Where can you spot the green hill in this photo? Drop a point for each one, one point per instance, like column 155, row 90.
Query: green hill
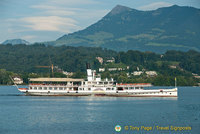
column 123, row 28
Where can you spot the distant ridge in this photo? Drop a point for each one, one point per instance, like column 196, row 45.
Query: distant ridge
column 15, row 42
column 123, row 28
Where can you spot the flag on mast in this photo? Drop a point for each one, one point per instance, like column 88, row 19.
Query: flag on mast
column 175, row 81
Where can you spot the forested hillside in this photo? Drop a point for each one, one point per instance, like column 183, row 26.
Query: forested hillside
column 23, row 60
column 26, row 58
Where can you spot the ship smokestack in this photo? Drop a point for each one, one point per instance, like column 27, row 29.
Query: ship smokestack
column 88, row 66
column 89, row 72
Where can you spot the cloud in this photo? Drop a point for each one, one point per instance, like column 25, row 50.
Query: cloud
column 28, row 37
column 155, row 5
column 55, row 10
column 73, row 2
column 49, row 19
column 83, row 16
column 50, row 23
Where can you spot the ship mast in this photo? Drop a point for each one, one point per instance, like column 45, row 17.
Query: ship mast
column 175, row 82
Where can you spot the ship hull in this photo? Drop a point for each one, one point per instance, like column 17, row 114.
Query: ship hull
column 135, row 93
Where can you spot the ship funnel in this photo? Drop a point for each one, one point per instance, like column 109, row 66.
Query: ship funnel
column 89, row 72
column 88, row 65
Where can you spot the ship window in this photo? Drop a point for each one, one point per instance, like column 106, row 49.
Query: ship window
column 101, row 83
column 35, row 88
column 55, row 88
column 80, row 88
column 112, row 88
column 30, row 87
column 50, row 88
column 60, row 88
column 108, row 89
column 126, row 88
column 89, row 88
column 105, row 82
column 136, row 87
column 40, row 88
column 45, row 88
column 65, row 88
column 141, row 88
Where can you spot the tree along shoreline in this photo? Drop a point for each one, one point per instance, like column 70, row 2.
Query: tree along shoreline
column 25, row 60
column 159, row 80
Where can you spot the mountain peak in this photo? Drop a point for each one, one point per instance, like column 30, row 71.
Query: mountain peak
column 119, row 9
column 15, row 42
column 123, row 29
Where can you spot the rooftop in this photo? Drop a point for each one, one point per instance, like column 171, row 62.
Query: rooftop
column 55, row 79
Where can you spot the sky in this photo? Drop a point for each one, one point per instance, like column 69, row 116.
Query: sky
column 47, row 20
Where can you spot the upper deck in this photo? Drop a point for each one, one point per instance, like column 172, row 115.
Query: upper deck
column 134, row 85
column 55, row 80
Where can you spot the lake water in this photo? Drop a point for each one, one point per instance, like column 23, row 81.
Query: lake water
column 21, row 114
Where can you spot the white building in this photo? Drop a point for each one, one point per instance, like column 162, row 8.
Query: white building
column 101, row 69
column 68, row 73
column 120, row 69
column 172, row 67
column 137, row 73
column 151, row 73
column 116, row 69
column 112, row 69
column 100, row 59
column 198, row 77
column 111, row 60
column 18, row 80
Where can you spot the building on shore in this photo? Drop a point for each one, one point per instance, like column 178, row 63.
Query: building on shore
column 151, row 73
column 100, row 59
column 18, row 80
column 101, row 69
column 111, row 60
column 137, row 73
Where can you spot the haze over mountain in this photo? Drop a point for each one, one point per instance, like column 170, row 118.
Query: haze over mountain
column 123, row 28
column 15, row 42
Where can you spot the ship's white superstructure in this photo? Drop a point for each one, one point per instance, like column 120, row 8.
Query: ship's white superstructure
column 94, row 85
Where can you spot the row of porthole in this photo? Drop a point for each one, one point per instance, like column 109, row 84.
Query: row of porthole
column 148, row 93
column 50, row 88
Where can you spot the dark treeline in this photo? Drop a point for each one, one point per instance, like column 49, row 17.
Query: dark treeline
column 189, row 61
column 24, row 59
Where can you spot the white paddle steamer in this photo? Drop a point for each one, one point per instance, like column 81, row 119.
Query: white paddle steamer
column 94, row 85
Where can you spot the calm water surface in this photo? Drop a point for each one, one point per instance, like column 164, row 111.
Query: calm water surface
column 21, row 114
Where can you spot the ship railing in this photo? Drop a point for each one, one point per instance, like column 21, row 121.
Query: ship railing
column 98, row 85
column 53, row 85
column 134, row 85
